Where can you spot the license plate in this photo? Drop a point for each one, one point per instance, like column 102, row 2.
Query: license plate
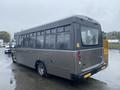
column 87, row 75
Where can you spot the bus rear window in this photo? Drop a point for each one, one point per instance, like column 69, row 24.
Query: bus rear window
column 89, row 36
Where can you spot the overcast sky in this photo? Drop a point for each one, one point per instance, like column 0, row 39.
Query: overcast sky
column 17, row 15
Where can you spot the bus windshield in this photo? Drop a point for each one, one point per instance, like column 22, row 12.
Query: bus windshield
column 89, row 36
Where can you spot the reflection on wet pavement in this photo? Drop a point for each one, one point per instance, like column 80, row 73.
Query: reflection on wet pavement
column 7, row 81
column 111, row 75
column 18, row 77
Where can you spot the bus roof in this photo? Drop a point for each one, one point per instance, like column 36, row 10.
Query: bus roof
column 69, row 20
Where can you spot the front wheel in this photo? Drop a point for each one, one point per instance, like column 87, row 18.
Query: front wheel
column 41, row 69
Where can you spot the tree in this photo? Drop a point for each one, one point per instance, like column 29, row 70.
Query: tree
column 5, row 36
column 104, row 35
column 113, row 35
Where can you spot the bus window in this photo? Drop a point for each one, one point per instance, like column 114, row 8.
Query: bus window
column 63, row 40
column 26, row 42
column 89, row 36
column 47, row 31
column 50, row 41
column 32, row 40
column 60, row 29
column 40, row 40
column 53, row 30
column 67, row 28
column 19, row 41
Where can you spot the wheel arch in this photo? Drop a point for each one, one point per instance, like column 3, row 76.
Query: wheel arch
column 37, row 62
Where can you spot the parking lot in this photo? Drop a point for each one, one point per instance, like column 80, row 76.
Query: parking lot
column 18, row 77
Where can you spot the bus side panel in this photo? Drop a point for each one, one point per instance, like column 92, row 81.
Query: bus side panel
column 63, row 64
column 58, row 62
column 91, row 58
column 19, row 54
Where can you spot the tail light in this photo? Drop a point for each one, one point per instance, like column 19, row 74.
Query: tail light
column 78, row 57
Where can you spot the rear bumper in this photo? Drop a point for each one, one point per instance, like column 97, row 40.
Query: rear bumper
column 91, row 72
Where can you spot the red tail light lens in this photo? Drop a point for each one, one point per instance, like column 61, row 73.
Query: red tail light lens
column 78, row 55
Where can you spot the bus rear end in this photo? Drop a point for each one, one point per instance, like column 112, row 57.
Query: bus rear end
column 89, row 50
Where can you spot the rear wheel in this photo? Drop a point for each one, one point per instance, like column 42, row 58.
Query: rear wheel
column 41, row 69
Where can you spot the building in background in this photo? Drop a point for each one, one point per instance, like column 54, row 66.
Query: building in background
column 114, row 43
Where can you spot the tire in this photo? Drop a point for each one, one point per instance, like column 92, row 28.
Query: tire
column 41, row 69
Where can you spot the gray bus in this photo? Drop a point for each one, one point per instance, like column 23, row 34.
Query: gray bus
column 70, row 48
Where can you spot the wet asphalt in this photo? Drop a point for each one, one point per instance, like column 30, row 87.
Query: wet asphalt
column 17, row 77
